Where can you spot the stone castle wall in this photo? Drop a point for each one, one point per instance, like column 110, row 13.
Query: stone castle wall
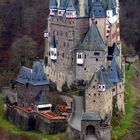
column 91, row 64
column 68, row 33
column 33, row 121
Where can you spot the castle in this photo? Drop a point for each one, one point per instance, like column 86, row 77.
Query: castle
column 82, row 43
column 82, row 48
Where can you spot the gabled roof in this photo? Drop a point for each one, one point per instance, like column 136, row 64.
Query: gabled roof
column 63, row 4
column 70, row 6
column 114, row 73
column 41, row 99
column 53, row 4
column 35, row 76
column 94, row 116
column 53, row 43
column 93, row 40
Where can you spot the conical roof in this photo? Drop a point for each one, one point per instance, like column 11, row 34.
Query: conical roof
column 111, row 4
column 93, row 40
column 116, row 50
column 101, row 77
column 63, row 4
column 53, row 4
column 114, row 71
column 70, row 6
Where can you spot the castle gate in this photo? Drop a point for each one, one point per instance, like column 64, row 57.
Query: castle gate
column 90, row 130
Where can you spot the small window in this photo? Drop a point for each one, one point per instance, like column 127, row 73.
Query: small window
column 85, row 56
column 94, row 94
column 113, row 89
column 85, row 69
column 99, row 11
column 66, row 34
column 96, row 59
column 94, row 101
column 93, row 86
column 96, row 53
column 64, row 44
column 63, row 55
column 120, row 86
column 95, row 22
column 89, row 94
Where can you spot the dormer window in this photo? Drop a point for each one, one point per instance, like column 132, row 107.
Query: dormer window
column 80, row 59
column 71, row 14
column 53, row 12
column 61, row 12
column 101, row 88
column 45, row 35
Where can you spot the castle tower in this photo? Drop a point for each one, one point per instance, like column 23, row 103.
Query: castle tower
column 53, row 7
column 62, row 7
column 70, row 10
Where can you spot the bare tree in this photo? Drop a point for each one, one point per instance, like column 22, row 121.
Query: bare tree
column 23, row 50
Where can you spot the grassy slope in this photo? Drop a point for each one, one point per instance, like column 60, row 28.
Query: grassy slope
column 13, row 129
column 127, row 120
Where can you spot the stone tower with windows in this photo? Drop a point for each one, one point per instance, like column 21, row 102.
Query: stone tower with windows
column 83, row 43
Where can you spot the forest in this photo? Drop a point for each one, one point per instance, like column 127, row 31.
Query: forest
column 22, row 23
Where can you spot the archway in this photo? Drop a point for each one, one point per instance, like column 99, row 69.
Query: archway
column 90, row 130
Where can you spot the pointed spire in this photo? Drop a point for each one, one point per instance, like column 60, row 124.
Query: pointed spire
column 53, row 4
column 116, row 50
column 114, row 72
column 111, row 4
column 101, row 77
column 63, row 4
column 70, row 6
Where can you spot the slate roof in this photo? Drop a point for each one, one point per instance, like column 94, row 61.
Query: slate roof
column 41, row 99
column 63, row 4
column 94, row 116
column 108, row 4
column 101, row 76
column 53, row 43
column 116, row 50
column 98, row 10
column 93, row 40
column 53, row 4
column 70, row 6
column 35, row 76
column 114, row 72
column 111, row 4
column 45, row 31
